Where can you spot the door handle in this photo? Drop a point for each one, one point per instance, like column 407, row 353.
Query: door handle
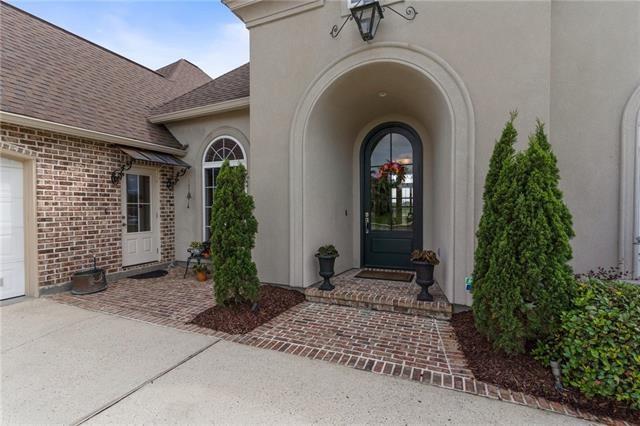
column 366, row 222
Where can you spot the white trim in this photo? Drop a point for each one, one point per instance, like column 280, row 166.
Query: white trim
column 629, row 182
column 276, row 11
column 217, row 108
column 636, row 194
column 213, row 165
column 23, row 120
column 28, row 158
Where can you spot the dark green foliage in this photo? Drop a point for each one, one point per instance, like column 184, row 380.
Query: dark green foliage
column 233, row 230
column 428, row 256
column 328, row 251
column 502, row 151
column 598, row 344
column 528, row 282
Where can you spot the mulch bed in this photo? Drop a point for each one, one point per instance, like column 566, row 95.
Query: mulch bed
column 241, row 319
column 525, row 374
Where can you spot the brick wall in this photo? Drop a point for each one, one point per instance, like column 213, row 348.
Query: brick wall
column 78, row 208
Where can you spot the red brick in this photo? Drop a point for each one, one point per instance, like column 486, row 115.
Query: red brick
column 75, row 198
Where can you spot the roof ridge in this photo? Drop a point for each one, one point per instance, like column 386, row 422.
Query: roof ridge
column 213, row 80
column 57, row 27
column 194, row 65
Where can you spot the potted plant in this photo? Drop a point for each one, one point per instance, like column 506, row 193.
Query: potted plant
column 196, row 247
column 327, row 258
column 201, row 271
column 424, row 262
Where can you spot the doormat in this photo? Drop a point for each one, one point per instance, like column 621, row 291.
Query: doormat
column 385, row 275
column 151, row 274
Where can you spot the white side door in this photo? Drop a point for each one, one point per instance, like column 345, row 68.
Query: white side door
column 12, row 265
column 140, row 217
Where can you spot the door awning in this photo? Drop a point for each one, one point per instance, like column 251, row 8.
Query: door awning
column 154, row 157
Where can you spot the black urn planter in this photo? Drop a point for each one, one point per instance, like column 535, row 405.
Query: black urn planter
column 424, row 278
column 327, row 264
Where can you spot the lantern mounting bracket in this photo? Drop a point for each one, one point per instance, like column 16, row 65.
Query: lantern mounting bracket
column 409, row 14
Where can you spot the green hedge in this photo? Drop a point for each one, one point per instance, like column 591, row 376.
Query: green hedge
column 599, row 341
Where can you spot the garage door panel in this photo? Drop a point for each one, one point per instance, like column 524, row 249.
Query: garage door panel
column 12, row 272
column 11, row 249
column 12, row 280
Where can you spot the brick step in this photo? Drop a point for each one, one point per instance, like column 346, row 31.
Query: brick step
column 381, row 302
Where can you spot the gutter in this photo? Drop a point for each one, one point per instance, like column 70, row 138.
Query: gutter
column 217, row 108
column 23, row 120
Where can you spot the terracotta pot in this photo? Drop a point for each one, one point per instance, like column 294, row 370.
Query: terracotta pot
column 201, row 276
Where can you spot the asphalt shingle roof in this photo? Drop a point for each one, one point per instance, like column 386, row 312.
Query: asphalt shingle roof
column 49, row 73
column 232, row 85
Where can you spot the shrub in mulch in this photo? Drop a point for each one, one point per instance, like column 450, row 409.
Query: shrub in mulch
column 241, row 318
column 523, row 373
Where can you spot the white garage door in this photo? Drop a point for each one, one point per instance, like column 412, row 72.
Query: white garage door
column 12, row 272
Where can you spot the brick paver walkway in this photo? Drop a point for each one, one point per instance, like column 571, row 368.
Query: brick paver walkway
column 171, row 300
column 417, row 348
column 383, row 342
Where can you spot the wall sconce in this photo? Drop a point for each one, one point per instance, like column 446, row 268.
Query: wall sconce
column 368, row 14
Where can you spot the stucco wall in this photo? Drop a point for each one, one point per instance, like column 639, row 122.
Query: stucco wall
column 573, row 64
column 198, row 134
column 595, row 68
column 500, row 50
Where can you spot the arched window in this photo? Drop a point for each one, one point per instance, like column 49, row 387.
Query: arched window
column 220, row 149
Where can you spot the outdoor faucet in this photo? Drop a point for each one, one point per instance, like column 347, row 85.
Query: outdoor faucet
column 555, row 370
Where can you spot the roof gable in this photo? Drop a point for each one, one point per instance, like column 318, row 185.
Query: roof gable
column 51, row 74
column 229, row 86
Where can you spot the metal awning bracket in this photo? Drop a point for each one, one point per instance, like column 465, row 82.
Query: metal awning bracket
column 172, row 181
column 116, row 175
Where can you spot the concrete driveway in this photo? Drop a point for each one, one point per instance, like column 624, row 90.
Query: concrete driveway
column 62, row 364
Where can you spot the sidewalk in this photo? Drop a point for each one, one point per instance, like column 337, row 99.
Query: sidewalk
column 63, row 364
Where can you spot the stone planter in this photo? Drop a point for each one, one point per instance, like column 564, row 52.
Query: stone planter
column 424, row 278
column 327, row 264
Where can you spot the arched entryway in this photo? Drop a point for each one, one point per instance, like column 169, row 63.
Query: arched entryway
column 391, row 219
column 374, row 85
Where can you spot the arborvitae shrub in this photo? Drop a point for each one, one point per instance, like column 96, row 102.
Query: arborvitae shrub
column 233, row 230
column 502, row 151
column 529, row 281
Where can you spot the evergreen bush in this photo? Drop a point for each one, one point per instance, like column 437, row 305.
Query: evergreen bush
column 233, row 230
column 502, row 151
column 529, row 282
